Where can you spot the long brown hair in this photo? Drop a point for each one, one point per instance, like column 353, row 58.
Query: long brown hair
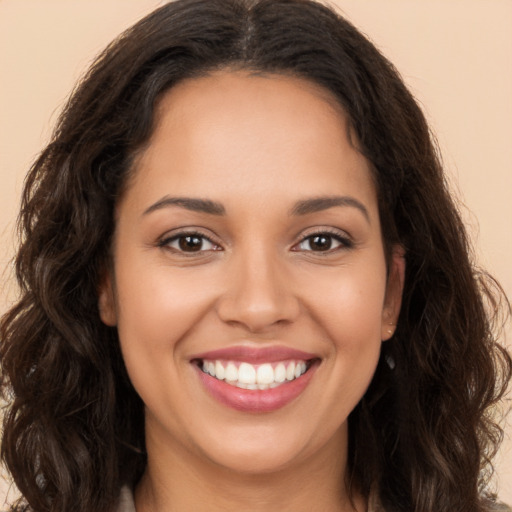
column 422, row 437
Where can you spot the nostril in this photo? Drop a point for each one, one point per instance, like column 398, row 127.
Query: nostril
column 257, row 315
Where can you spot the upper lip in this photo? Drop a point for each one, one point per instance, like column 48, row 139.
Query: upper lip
column 255, row 354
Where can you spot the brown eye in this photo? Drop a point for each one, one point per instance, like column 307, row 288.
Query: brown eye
column 324, row 242
column 320, row 242
column 191, row 243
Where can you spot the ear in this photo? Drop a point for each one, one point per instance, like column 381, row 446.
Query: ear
column 106, row 301
column 394, row 291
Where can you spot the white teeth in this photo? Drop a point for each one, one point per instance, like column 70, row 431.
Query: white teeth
column 248, row 376
column 265, row 374
column 219, row 371
column 290, row 371
column 280, row 373
column 247, row 373
column 231, row 372
column 300, row 368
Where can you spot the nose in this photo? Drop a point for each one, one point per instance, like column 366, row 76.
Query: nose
column 259, row 293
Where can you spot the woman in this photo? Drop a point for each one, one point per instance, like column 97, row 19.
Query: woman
column 245, row 285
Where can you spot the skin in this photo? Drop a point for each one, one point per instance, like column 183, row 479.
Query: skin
column 256, row 144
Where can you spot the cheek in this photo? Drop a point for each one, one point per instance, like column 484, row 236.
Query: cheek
column 349, row 308
column 348, row 303
column 157, row 307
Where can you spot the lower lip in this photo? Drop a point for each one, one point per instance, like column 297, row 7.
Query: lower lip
column 258, row 400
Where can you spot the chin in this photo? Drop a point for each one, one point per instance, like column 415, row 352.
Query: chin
column 263, row 451
column 256, row 462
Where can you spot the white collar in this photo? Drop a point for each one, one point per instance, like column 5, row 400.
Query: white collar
column 126, row 503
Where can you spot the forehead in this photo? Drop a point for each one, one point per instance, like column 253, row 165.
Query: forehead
column 250, row 132
column 233, row 87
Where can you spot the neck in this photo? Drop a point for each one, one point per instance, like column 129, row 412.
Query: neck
column 177, row 480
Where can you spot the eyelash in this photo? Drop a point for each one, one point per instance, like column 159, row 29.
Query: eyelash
column 345, row 243
column 165, row 243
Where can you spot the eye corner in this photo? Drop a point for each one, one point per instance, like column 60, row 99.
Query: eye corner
column 328, row 241
column 188, row 242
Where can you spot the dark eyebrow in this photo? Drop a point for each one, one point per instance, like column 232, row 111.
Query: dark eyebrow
column 189, row 203
column 317, row 204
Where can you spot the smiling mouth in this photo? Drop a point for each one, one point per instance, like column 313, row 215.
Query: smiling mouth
column 245, row 375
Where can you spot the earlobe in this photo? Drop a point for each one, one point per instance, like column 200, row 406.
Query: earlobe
column 394, row 291
column 106, row 302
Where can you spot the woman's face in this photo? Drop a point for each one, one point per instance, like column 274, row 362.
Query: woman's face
column 248, row 245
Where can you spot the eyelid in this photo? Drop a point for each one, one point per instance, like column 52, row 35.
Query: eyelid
column 342, row 237
column 345, row 240
column 173, row 235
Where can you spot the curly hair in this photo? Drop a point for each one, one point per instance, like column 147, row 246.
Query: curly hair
column 422, row 437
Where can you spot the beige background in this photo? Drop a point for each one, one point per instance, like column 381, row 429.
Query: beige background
column 456, row 55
